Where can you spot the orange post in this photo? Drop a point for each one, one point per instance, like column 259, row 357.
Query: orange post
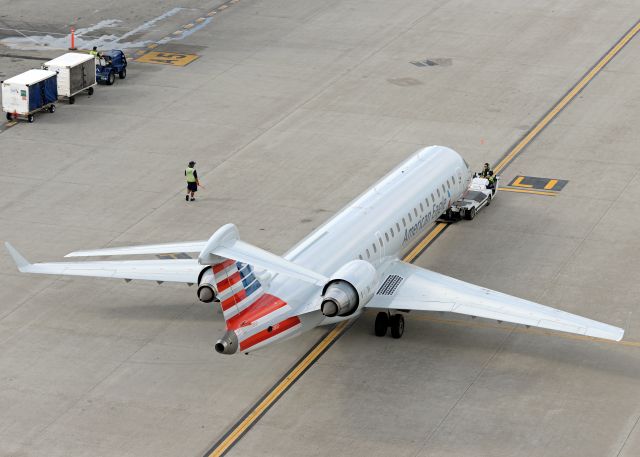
column 73, row 40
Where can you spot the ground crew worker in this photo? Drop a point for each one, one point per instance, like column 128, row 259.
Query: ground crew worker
column 94, row 52
column 492, row 180
column 485, row 171
column 192, row 180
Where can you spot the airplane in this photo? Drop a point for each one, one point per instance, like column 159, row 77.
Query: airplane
column 350, row 263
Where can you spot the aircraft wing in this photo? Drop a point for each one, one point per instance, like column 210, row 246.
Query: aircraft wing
column 409, row 287
column 145, row 249
column 171, row 270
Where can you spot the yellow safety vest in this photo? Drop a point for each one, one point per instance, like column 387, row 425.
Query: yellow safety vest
column 190, row 175
column 94, row 53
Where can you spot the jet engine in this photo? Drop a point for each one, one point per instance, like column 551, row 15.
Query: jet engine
column 353, row 285
column 207, row 291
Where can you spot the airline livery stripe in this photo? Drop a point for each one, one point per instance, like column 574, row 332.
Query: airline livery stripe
column 229, row 302
column 266, row 334
column 263, row 306
column 221, row 266
column 228, row 282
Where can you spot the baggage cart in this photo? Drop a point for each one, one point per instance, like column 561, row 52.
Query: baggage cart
column 29, row 92
column 76, row 73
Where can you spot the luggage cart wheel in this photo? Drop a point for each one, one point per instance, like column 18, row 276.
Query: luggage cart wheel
column 52, row 109
column 9, row 116
column 30, row 117
column 72, row 100
column 123, row 73
column 90, row 91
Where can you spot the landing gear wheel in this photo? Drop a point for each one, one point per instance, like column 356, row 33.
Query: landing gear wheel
column 471, row 214
column 397, row 325
column 90, row 91
column 123, row 73
column 112, row 79
column 382, row 324
column 30, row 118
column 9, row 116
column 72, row 100
column 52, row 109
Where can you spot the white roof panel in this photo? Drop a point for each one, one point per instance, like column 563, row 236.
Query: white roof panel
column 70, row 59
column 30, row 77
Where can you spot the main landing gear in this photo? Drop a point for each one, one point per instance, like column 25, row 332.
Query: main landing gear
column 385, row 320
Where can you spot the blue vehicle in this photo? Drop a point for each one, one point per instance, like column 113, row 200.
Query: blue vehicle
column 111, row 63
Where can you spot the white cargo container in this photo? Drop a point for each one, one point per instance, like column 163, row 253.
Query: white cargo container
column 28, row 92
column 76, row 73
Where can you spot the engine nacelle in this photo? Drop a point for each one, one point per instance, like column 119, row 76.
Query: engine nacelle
column 353, row 285
column 207, row 290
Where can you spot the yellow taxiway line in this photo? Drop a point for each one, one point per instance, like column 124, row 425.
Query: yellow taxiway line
column 527, row 191
column 276, row 392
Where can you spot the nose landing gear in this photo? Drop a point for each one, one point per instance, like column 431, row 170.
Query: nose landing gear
column 386, row 320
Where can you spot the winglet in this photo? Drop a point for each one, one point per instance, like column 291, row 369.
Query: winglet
column 20, row 261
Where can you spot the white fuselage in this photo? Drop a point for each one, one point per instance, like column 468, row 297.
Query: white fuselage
column 380, row 225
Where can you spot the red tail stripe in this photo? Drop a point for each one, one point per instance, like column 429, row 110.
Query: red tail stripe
column 228, row 282
column 229, row 302
column 266, row 334
column 217, row 268
column 264, row 305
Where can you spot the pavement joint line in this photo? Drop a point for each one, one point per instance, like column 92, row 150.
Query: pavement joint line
column 238, row 430
column 568, row 97
column 280, row 388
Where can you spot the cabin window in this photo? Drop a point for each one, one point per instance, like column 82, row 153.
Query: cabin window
column 386, row 235
column 426, row 201
column 433, row 199
column 421, row 208
column 368, row 255
column 374, row 248
column 391, row 229
column 398, row 227
column 415, row 211
column 448, row 185
column 409, row 214
column 404, row 223
column 380, row 241
column 453, row 180
column 360, row 256
column 438, row 192
column 443, row 189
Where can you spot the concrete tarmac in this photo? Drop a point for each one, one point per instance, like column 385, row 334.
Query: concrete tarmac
column 291, row 110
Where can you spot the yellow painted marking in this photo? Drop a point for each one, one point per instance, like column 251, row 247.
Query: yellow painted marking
column 177, row 32
column 234, row 1
column 140, row 52
column 518, row 182
column 521, row 329
column 11, row 123
column 551, row 184
column 168, row 58
column 212, row 13
column 152, row 46
column 278, row 391
column 440, row 226
column 336, row 332
column 223, row 7
column 188, row 26
column 526, row 191
column 200, row 19
column 567, row 98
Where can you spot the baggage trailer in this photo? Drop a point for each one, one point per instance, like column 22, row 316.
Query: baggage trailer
column 29, row 92
column 76, row 73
